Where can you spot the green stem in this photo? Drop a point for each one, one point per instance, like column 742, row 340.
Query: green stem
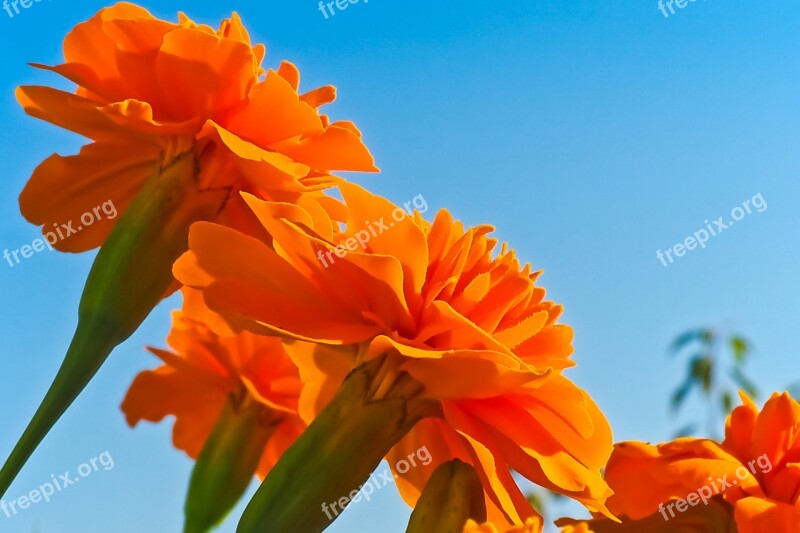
column 130, row 275
column 336, row 454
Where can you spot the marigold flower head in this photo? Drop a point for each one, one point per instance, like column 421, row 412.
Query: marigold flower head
column 208, row 366
column 151, row 91
column 470, row 328
column 754, row 469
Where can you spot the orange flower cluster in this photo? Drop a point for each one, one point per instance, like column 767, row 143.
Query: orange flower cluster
column 431, row 321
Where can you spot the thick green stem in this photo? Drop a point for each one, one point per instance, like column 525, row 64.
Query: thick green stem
column 336, row 454
column 130, row 275
column 228, row 462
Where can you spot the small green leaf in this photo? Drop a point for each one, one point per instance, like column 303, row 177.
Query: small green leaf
column 537, row 502
column 701, row 369
column 679, row 396
column 740, row 348
column 685, row 339
column 727, row 401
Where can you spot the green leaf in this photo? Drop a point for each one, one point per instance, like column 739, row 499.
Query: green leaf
column 537, row 502
column 701, row 369
column 726, row 398
column 679, row 396
column 740, row 348
column 685, row 339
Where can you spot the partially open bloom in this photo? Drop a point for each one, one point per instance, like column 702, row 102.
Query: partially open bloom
column 458, row 325
column 150, row 92
column 752, row 477
column 204, row 370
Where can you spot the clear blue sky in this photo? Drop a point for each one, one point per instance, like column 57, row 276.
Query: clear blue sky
column 590, row 133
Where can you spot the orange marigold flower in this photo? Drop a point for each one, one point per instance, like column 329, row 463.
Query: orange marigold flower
column 204, row 370
column 151, row 91
column 470, row 327
column 754, row 470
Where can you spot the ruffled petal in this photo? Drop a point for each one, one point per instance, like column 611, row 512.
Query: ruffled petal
column 77, row 199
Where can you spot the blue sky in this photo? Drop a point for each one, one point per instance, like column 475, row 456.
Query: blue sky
column 591, row 134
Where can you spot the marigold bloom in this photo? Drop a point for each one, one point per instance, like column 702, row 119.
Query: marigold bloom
column 204, row 370
column 473, row 330
column 754, row 470
column 150, row 91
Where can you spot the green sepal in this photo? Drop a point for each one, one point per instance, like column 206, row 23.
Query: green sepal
column 333, row 457
column 228, row 462
column 453, row 495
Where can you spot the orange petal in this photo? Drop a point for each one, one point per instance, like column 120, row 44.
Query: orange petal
column 274, row 113
column 320, row 96
column 103, row 177
column 202, row 75
column 289, row 72
column 402, row 238
column 322, row 369
column 129, row 119
column 157, row 394
column 89, row 45
column 757, row 515
column 266, row 170
column 336, row 149
column 267, row 291
column 673, row 471
column 775, row 432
